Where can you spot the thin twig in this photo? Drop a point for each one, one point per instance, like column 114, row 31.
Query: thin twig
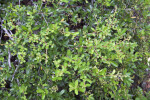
column 46, row 53
column 18, row 82
column 8, row 34
column 34, row 3
column 4, row 44
column 92, row 2
column 1, row 29
column 14, row 73
column 45, row 19
column 41, row 5
column 9, row 57
column 19, row 3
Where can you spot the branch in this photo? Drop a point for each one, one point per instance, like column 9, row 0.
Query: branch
column 14, row 73
column 1, row 29
column 34, row 3
column 18, row 82
column 8, row 34
column 19, row 3
column 9, row 57
column 9, row 53
column 45, row 19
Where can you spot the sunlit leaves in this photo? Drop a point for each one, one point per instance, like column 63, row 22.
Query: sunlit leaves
column 73, row 47
column 42, row 92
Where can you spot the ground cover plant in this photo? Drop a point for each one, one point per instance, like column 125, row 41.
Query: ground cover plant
column 74, row 49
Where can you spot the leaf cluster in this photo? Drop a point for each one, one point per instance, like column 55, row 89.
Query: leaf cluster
column 74, row 49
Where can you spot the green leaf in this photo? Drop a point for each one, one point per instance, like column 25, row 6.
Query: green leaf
column 71, row 87
column 39, row 90
column 75, row 67
column 29, row 13
column 80, row 49
column 137, row 98
column 45, row 84
column 113, row 63
column 24, row 28
column 66, row 1
column 76, row 91
column 148, row 15
column 75, row 33
column 43, row 96
column 67, row 34
column 62, row 92
column 46, row 91
column 103, row 71
column 87, row 85
column 82, row 89
column 2, row 59
column 14, row 14
column 68, row 52
column 76, row 83
column 88, row 80
column 36, row 27
column 123, row 31
column 54, row 78
column 113, row 72
column 59, row 78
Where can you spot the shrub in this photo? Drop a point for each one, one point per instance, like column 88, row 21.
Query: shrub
column 73, row 49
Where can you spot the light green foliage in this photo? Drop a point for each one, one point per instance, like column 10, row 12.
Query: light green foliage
column 80, row 48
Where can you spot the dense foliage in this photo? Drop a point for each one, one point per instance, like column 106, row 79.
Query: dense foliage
column 74, row 49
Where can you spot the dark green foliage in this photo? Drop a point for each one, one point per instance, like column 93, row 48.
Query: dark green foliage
column 74, row 49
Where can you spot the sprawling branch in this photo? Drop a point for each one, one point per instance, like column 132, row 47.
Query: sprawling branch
column 9, row 34
column 9, row 54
